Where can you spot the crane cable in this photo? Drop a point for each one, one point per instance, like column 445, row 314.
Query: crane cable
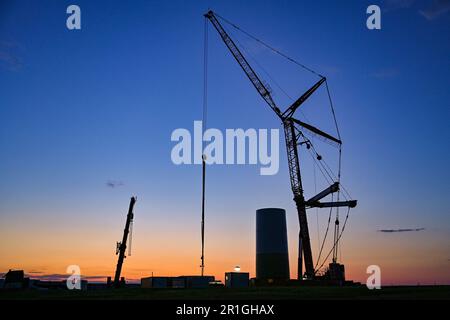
column 248, row 54
column 322, row 168
column 204, row 118
column 337, row 234
column 317, row 209
column 337, row 241
column 324, row 237
column 131, row 238
column 269, row 46
column 205, row 76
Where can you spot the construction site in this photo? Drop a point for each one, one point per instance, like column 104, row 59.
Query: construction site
column 272, row 259
column 320, row 271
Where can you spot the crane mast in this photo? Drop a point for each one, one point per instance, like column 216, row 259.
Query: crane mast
column 304, row 247
column 292, row 136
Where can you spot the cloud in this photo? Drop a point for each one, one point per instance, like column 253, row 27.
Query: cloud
column 41, row 276
column 9, row 57
column 114, row 183
column 331, row 70
column 38, row 275
column 35, row 272
column 400, row 230
column 48, row 277
column 62, row 277
column 386, row 73
column 437, row 8
column 390, row 5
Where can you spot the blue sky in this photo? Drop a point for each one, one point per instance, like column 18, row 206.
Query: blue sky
column 81, row 108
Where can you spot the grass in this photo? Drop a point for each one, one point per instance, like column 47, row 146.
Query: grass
column 260, row 293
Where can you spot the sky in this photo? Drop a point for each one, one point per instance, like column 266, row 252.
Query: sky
column 86, row 118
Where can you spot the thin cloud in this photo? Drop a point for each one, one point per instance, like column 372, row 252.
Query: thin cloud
column 437, row 8
column 49, row 277
column 41, row 276
column 9, row 58
column 62, row 277
column 401, row 230
column 114, row 183
column 390, row 5
column 38, row 275
column 385, row 73
column 35, row 272
column 330, row 70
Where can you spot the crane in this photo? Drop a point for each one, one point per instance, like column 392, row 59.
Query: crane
column 293, row 137
column 122, row 246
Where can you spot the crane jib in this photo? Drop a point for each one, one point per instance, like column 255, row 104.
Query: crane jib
column 248, row 70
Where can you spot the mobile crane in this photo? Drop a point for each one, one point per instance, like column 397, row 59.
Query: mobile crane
column 122, row 246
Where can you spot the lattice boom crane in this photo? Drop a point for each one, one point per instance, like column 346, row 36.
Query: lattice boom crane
column 292, row 134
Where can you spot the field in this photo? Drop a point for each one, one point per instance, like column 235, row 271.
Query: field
column 260, row 293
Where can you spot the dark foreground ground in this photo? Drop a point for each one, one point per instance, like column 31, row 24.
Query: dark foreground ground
column 260, row 293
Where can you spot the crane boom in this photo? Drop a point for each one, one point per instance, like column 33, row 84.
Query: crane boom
column 122, row 246
column 248, row 70
column 317, row 131
column 291, row 110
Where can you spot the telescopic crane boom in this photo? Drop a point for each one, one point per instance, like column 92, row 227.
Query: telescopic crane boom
column 122, row 246
column 292, row 135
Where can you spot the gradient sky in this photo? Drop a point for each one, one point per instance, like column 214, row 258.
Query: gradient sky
column 81, row 108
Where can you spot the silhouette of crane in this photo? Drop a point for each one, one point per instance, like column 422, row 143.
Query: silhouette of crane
column 293, row 137
column 122, row 246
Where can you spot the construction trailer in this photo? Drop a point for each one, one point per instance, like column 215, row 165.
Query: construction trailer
column 177, row 282
column 237, row 279
column 55, row 285
column 193, row 281
column 156, row 282
column 15, row 279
